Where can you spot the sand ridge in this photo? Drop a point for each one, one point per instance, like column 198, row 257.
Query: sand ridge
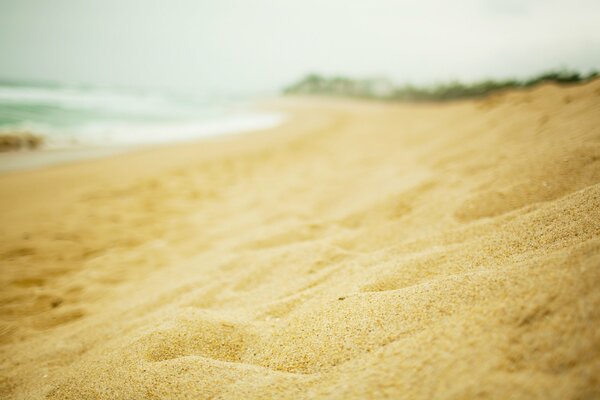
column 362, row 250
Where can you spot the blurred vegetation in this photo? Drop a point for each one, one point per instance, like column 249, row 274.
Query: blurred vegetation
column 384, row 89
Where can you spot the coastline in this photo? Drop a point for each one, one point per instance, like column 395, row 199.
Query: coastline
column 48, row 156
column 360, row 249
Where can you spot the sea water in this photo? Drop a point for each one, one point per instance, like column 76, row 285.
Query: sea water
column 67, row 116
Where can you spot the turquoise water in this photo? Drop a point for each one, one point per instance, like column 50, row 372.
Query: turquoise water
column 71, row 116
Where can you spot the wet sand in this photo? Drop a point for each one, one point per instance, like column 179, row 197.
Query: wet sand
column 30, row 160
column 360, row 250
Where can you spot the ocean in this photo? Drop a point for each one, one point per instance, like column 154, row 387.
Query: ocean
column 75, row 116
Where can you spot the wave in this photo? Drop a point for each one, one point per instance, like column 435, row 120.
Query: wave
column 67, row 116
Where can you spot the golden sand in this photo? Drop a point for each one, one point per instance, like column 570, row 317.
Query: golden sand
column 362, row 250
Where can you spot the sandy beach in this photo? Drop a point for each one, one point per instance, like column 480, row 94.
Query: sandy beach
column 360, row 250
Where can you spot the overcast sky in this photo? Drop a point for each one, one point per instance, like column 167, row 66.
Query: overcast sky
column 254, row 45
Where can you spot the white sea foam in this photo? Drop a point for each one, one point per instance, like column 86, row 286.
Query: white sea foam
column 72, row 116
column 158, row 132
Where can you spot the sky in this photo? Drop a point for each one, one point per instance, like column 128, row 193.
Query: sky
column 245, row 46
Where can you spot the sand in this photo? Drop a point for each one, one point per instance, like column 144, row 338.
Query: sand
column 361, row 250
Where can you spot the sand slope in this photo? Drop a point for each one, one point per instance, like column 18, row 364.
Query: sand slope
column 362, row 250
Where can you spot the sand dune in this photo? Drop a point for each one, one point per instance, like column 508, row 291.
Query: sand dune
column 362, row 250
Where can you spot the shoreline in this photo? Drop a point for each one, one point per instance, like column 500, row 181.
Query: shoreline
column 13, row 161
column 16, row 161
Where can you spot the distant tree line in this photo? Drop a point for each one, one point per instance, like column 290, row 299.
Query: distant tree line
column 380, row 88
